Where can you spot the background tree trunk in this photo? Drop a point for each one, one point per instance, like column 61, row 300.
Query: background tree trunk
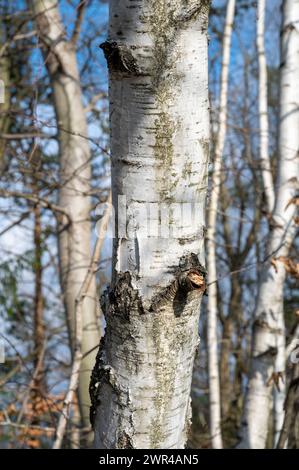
column 263, row 108
column 279, row 393
column 268, row 323
column 159, row 118
column 39, row 327
column 75, row 173
column 214, row 392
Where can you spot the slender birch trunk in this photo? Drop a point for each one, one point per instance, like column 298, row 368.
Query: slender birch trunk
column 263, row 108
column 214, row 389
column 278, row 393
column 268, row 326
column 75, row 172
column 159, row 118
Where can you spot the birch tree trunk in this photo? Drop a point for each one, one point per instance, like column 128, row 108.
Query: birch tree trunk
column 263, row 108
column 214, row 392
column 159, row 118
column 279, row 393
column 268, row 324
column 75, row 172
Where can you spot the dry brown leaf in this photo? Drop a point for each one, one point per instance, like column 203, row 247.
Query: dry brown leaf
column 276, row 377
column 290, row 266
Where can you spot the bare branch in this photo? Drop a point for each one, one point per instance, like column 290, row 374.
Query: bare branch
column 77, row 28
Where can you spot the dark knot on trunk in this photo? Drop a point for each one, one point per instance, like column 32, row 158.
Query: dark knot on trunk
column 119, row 58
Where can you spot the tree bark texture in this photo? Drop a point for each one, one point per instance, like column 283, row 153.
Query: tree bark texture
column 159, row 117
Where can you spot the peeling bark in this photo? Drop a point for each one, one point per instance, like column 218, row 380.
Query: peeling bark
column 159, row 120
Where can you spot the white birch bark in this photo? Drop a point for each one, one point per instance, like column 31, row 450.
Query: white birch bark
column 214, row 387
column 159, row 118
column 75, row 172
column 279, row 394
column 268, row 325
column 263, row 108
